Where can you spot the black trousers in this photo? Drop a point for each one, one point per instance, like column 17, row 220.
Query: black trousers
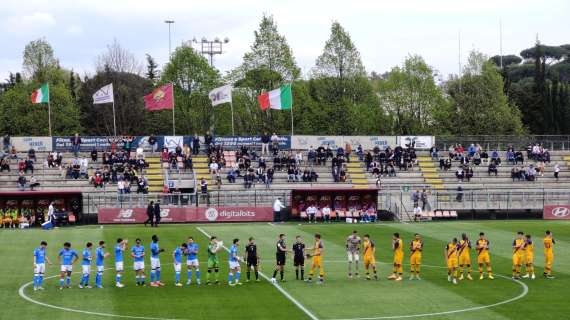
column 149, row 220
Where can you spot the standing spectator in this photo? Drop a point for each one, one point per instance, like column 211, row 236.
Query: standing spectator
column 76, row 144
column 195, row 144
column 556, row 171
column 423, row 199
column 415, row 197
column 274, row 143
column 94, row 155
column 156, row 213
column 152, row 143
column 149, row 214
column 6, row 142
column 277, row 206
column 265, row 139
column 208, row 141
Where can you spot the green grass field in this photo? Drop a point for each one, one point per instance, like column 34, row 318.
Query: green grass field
column 339, row 298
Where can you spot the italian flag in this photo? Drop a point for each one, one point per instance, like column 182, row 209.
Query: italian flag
column 41, row 95
column 279, row 99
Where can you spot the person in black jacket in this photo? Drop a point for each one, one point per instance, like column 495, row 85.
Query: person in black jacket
column 150, row 214
column 265, row 139
column 157, row 213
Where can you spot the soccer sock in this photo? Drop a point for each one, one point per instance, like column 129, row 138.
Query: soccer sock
column 302, row 273
column 189, row 275
column 142, row 279
column 417, row 269
column 99, row 278
column 349, row 268
column 158, row 275
column 256, row 275
column 87, row 279
column 356, row 267
column 480, row 269
column 41, row 279
column 489, row 270
column 217, row 275
column 230, row 277
column 138, row 279
column 237, row 276
column 36, row 280
column 68, row 280
column 177, row 277
column 281, row 274
column 152, row 275
column 274, row 273
column 208, row 274
column 297, row 274
column 247, row 274
column 197, row 275
column 61, row 282
column 118, row 278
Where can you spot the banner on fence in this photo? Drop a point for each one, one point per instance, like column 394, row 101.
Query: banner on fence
column 367, row 142
column 36, row 143
column 187, row 214
column 556, row 212
column 418, row 142
column 237, row 141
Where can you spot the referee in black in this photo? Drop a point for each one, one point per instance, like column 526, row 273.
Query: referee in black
column 280, row 256
column 252, row 259
column 299, row 258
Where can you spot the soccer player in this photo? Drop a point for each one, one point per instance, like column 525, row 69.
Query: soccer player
column 119, row 264
column 299, row 258
column 398, row 249
column 86, row 266
column 235, row 269
column 317, row 259
column 416, row 247
column 518, row 255
column 100, row 256
column 548, row 254
column 213, row 261
column 177, row 256
column 464, row 253
column 483, row 257
column 155, row 263
column 192, row 260
column 67, row 258
column 40, row 259
column 368, row 256
column 451, row 256
column 280, row 256
column 252, row 259
column 353, row 249
column 137, row 252
column 529, row 257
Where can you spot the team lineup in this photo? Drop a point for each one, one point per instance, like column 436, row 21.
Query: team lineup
column 457, row 255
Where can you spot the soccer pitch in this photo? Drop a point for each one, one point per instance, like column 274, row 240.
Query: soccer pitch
column 338, row 298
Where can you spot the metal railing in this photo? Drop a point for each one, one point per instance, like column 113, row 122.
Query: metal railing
column 490, row 142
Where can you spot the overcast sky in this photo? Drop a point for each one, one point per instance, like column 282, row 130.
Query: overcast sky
column 383, row 31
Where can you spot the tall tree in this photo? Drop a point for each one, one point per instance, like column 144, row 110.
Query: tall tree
column 39, row 60
column 151, row 68
column 118, row 59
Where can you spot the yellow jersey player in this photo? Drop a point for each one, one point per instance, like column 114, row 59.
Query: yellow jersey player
column 548, row 254
column 451, row 259
column 529, row 257
column 483, row 257
column 369, row 259
column 398, row 249
column 518, row 255
column 464, row 253
column 416, row 247
column 317, row 260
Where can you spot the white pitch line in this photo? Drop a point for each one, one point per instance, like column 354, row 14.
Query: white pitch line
column 276, row 285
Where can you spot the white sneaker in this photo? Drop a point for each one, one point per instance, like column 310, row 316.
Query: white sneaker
column 119, row 285
column 80, row 286
column 526, row 276
column 532, row 277
column 41, row 288
column 454, row 281
column 449, row 278
column 35, row 289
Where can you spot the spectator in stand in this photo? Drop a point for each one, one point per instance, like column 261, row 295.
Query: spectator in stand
column 22, row 181
column 274, row 143
column 94, row 155
column 208, row 141
column 269, row 177
column 33, row 183
column 460, row 174
column 495, row 157
column 556, row 171
column 195, row 144
column 477, row 159
column 360, row 152
column 459, row 196
column 204, row 186
column 142, row 185
column 492, row 168
column 4, row 165
column 76, row 144
column 32, row 154
column 347, row 151
column 6, row 143
column 232, row 175
column 434, row 153
column 510, row 155
column 152, row 143
column 468, row 173
column 13, row 153
column 29, row 166
column 265, row 139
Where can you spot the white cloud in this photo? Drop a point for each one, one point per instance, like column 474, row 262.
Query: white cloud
column 75, row 30
column 30, row 23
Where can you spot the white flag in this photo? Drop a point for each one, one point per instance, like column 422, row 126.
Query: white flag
column 104, row 95
column 221, row 95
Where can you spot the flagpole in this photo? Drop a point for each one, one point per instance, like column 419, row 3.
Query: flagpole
column 232, row 108
column 114, row 121
column 291, row 119
column 173, row 121
column 49, row 112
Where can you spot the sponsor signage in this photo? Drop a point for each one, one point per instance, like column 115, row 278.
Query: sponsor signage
column 237, row 141
column 187, row 214
column 367, row 142
column 36, row 143
column 556, row 212
column 418, row 142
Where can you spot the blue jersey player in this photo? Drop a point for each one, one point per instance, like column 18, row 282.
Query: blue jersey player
column 86, row 259
column 234, row 264
column 177, row 256
column 137, row 252
column 155, row 263
column 100, row 256
column 67, row 258
column 40, row 260
column 192, row 260
column 119, row 262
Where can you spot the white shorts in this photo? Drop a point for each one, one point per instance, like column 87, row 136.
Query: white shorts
column 119, row 266
column 100, row 268
column 234, row 265
column 40, row 268
column 177, row 267
column 138, row 265
column 66, row 268
column 85, row 269
column 353, row 256
column 192, row 263
column 154, row 263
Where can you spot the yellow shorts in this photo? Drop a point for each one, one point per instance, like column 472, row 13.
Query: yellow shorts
column 483, row 258
column 369, row 261
column 416, row 258
column 317, row 262
column 398, row 258
column 452, row 263
column 517, row 259
column 529, row 258
column 464, row 259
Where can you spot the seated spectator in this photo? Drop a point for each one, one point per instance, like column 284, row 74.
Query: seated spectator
column 477, row 159
column 515, row 174
column 32, row 154
column 313, row 176
column 94, row 155
column 21, row 165
column 519, row 158
column 164, row 155
column 342, row 175
column 22, row 181
column 469, row 174
column 142, row 185
column 460, row 174
column 232, row 175
column 13, row 153
column 495, row 157
column 291, row 174
column 4, row 165
column 492, row 169
column 510, row 157
column 484, row 157
column 531, row 173
column 98, row 180
column 33, row 183
column 434, row 153
column 269, row 175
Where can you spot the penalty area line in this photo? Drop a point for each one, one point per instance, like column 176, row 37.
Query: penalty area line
column 276, row 285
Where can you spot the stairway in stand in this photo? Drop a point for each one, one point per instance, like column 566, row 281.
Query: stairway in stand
column 154, row 174
column 356, row 173
column 201, row 170
column 429, row 173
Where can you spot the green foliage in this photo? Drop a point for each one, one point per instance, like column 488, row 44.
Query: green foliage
column 39, row 60
column 151, row 68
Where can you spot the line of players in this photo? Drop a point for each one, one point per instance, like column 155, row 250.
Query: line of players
column 457, row 257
